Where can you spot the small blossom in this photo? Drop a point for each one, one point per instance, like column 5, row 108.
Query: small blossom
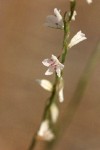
column 89, row 1
column 54, row 112
column 61, row 95
column 45, row 132
column 60, row 88
column 74, row 15
column 54, row 66
column 76, row 39
column 47, row 85
column 55, row 21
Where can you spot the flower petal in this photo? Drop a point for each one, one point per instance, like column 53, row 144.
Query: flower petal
column 58, row 71
column 49, row 71
column 51, row 19
column 74, row 15
column 48, row 136
column 60, row 88
column 57, row 13
column 47, row 85
column 46, row 62
column 45, row 132
column 61, row 66
column 55, row 21
column 61, row 95
column 54, row 112
column 77, row 38
column 54, row 57
column 44, row 127
column 51, row 25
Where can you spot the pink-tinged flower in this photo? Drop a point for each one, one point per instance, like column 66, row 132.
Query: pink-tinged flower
column 55, row 21
column 79, row 37
column 89, row 1
column 54, row 66
column 45, row 132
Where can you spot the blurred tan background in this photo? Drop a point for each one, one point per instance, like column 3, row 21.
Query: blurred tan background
column 24, row 43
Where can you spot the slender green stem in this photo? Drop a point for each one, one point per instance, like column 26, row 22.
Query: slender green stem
column 46, row 111
column 53, row 96
column 51, row 100
column 65, row 42
column 67, row 30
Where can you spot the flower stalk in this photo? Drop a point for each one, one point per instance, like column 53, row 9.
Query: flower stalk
column 67, row 29
column 46, row 130
column 48, row 120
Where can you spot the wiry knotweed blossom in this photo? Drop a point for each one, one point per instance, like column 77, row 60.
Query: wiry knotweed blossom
column 74, row 15
column 77, row 38
column 45, row 132
column 54, row 66
column 60, row 88
column 54, row 112
column 61, row 95
column 89, row 1
column 47, row 85
column 55, row 21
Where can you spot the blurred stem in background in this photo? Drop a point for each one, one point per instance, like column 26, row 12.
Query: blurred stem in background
column 77, row 97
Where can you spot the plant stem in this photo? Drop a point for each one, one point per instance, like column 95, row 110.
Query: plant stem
column 53, row 96
column 46, row 111
column 67, row 30
column 65, row 41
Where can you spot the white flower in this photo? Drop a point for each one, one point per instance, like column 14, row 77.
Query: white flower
column 74, row 15
column 47, row 85
column 77, row 38
column 89, row 1
column 55, row 21
column 54, row 66
column 60, row 88
column 44, row 132
column 61, row 95
column 54, row 112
